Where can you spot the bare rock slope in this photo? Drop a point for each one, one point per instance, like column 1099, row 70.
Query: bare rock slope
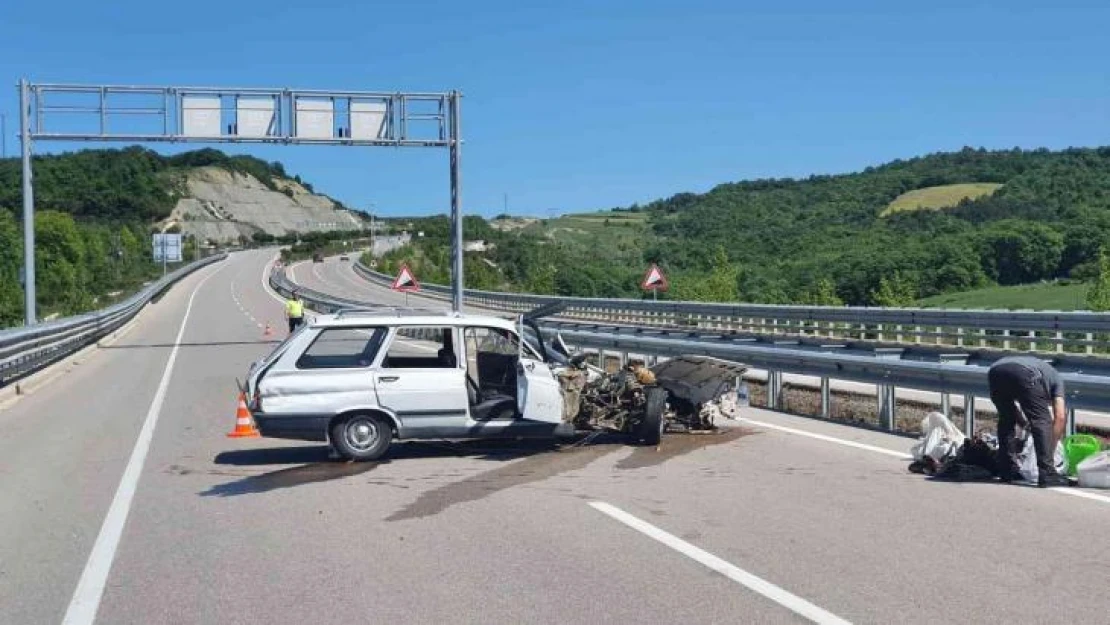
column 221, row 205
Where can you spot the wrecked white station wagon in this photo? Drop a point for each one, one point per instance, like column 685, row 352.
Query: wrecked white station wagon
column 360, row 379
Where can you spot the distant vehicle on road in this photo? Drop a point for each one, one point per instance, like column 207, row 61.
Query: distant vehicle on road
column 318, row 257
column 344, row 257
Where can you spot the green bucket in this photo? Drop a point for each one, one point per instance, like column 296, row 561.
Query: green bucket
column 1079, row 446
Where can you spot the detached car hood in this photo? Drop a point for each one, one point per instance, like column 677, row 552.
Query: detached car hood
column 697, row 379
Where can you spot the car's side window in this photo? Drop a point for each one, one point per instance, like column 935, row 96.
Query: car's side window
column 342, row 348
column 421, row 347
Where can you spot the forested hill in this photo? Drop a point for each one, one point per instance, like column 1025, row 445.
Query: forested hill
column 789, row 237
column 888, row 235
column 132, row 184
column 95, row 210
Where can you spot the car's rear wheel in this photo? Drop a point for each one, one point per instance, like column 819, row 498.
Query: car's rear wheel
column 652, row 425
column 361, row 437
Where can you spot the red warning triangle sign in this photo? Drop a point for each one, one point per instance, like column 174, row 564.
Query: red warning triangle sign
column 654, row 279
column 405, row 280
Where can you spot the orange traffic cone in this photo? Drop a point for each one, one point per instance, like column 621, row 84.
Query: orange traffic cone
column 244, row 425
column 269, row 331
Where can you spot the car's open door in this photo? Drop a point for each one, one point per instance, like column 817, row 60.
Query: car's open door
column 538, row 395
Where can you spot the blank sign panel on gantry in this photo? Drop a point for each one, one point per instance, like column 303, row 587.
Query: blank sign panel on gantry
column 255, row 117
column 368, row 120
column 315, row 119
column 200, row 116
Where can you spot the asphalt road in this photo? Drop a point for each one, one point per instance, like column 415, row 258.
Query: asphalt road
column 779, row 516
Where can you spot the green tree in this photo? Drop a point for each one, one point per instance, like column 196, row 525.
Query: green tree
column 11, row 250
column 1020, row 251
column 59, row 256
column 822, row 293
column 895, row 290
column 1098, row 296
column 720, row 284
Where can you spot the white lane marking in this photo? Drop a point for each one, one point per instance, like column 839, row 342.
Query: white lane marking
column 829, row 439
column 235, row 296
column 266, row 283
column 1073, row 491
column 90, row 588
column 327, row 283
column 786, row 599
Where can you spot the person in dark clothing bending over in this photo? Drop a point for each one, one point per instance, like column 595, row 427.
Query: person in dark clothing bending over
column 1029, row 391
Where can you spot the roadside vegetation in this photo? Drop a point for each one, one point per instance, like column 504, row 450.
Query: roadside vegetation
column 909, row 231
column 1010, row 218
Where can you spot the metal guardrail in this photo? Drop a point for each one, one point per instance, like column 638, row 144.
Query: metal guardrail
column 1075, row 332
column 26, row 350
column 1084, row 392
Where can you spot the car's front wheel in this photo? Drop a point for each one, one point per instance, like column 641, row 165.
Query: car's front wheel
column 361, row 437
column 653, row 424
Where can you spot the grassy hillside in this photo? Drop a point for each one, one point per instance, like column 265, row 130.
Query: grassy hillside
column 1035, row 216
column 938, row 197
column 1046, row 296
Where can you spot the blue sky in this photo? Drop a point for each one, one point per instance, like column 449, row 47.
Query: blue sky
column 588, row 105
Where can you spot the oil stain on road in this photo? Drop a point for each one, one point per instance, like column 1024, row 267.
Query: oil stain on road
column 531, row 469
column 678, row 445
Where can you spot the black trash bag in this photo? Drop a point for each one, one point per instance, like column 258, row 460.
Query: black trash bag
column 974, row 462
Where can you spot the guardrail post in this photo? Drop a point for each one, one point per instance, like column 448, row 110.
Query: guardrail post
column 826, row 398
column 1090, row 349
column 969, row 414
column 946, row 405
column 1006, row 339
column 959, row 337
column 898, row 333
column 917, row 335
column 887, row 399
column 1059, row 341
column 1032, row 340
column 774, row 390
column 982, row 337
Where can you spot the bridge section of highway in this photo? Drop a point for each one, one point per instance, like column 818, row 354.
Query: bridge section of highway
column 124, row 502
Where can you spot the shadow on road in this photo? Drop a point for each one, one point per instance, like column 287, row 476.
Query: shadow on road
column 538, row 460
column 318, row 464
